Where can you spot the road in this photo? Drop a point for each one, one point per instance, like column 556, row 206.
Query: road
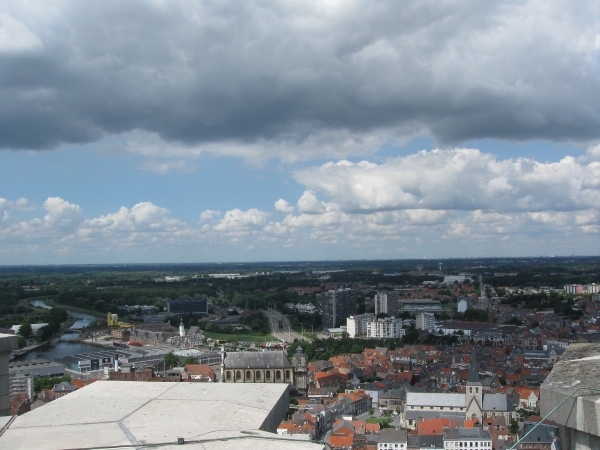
column 280, row 326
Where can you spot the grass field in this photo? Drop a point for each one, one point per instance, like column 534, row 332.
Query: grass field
column 449, row 306
column 385, row 420
column 242, row 337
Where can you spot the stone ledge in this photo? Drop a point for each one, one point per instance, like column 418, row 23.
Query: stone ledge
column 579, row 367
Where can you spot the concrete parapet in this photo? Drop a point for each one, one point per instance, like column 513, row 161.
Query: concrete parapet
column 577, row 374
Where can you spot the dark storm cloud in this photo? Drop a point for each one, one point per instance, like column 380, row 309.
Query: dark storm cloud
column 199, row 72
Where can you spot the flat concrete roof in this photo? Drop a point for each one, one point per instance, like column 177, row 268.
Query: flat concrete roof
column 134, row 414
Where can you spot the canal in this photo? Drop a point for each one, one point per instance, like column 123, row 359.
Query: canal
column 62, row 348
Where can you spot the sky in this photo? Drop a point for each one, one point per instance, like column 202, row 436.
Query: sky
column 206, row 131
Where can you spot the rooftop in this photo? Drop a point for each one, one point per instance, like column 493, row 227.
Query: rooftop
column 209, row 416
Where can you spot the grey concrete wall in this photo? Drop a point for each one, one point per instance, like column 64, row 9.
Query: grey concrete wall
column 277, row 413
column 8, row 343
column 578, row 440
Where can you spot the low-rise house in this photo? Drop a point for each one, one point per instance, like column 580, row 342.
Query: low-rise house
column 467, row 438
column 62, row 389
column 538, row 438
column 294, row 431
column 130, row 373
column 329, row 380
column 391, row 439
column 199, row 372
column 19, row 404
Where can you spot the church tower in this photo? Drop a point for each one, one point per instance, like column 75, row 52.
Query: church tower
column 300, row 365
column 223, row 356
column 474, row 390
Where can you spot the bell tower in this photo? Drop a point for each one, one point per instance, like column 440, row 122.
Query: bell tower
column 300, row 366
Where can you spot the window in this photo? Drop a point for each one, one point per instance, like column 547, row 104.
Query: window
column 268, row 375
column 238, row 375
column 278, row 375
column 287, row 374
column 257, row 376
column 228, row 375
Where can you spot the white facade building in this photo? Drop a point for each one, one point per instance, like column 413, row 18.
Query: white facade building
column 389, row 328
column 426, row 321
column 467, row 439
column 356, row 326
column 390, row 439
column 582, row 288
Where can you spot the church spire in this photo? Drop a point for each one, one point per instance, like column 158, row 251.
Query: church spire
column 473, row 370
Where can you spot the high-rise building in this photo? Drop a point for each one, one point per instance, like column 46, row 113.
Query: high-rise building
column 426, row 321
column 356, row 326
column 337, row 306
column 386, row 302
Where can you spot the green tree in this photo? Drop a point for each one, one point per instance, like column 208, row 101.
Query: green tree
column 25, row 330
column 170, row 360
column 514, row 426
column 189, row 360
column 42, row 383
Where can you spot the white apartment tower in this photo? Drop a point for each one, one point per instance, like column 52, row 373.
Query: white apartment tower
column 388, row 328
column 426, row 321
column 357, row 325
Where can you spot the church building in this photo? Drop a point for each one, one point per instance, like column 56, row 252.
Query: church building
column 265, row 367
column 473, row 404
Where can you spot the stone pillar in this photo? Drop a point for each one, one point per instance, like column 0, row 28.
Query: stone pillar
column 8, row 343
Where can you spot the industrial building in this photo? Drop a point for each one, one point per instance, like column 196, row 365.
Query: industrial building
column 84, row 362
column 37, row 367
column 192, row 306
column 420, row 304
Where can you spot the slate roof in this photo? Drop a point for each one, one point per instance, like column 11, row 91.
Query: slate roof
column 473, row 370
column 256, row 360
column 426, row 399
column 540, row 435
column 466, row 433
column 388, row 435
column 63, row 387
column 433, row 442
column 497, row 402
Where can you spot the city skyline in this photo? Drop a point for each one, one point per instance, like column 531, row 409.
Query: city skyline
column 200, row 132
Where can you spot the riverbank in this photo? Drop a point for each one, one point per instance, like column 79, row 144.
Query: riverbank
column 23, row 351
column 64, row 328
column 90, row 312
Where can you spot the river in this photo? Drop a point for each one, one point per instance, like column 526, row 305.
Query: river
column 62, row 348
